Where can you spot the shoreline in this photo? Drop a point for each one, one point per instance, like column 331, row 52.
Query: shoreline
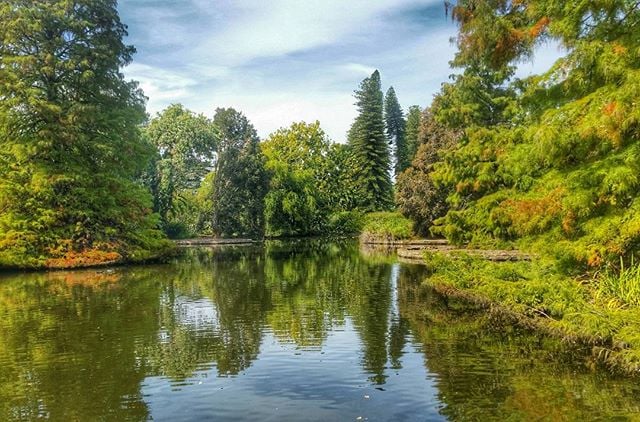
column 610, row 334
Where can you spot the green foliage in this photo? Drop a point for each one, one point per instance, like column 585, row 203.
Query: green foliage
column 70, row 145
column 185, row 144
column 345, row 223
column 619, row 286
column 412, row 131
column 558, row 304
column 369, row 146
column 417, row 195
column 241, row 180
column 204, row 203
column 548, row 162
column 396, row 127
column 310, row 180
column 338, row 179
column 386, row 226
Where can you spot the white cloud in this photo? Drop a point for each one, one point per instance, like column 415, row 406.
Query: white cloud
column 161, row 86
column 279, row 27
column 287, row 60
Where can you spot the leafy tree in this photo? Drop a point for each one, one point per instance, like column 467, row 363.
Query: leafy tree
column 338, row 179
column 70, row 144
column 412, row 131
column 396, row 126
column 555, row 167
column 295, row 204
column 369, row 145
column 185, row 143
column 417, row 195
column 204, row 203
column 241, row 180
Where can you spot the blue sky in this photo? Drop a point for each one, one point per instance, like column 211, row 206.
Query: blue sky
column 281, row 61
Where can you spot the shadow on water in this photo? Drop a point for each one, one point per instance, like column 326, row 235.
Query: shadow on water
column 278, row 331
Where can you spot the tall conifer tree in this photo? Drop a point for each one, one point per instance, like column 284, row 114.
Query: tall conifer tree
column 70, row 144
column 396, row 126
column 412, row 131
column 370, row 147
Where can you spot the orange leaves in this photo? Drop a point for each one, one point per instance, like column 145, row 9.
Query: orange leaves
column 529, row 216
column 594, row 260
column 619, row 50
column 84, row 258
column 610, row 128
column 539, row 27
column 568, row 222
column 610, row 108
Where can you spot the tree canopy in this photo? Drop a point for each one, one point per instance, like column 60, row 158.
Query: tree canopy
column 186, row 145
column 70, row 144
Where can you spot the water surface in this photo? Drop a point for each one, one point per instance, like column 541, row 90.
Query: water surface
column 288, row 331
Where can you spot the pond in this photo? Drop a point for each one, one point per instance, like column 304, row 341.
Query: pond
column 311, row 330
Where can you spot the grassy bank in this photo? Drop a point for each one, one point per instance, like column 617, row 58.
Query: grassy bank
column 597, row 311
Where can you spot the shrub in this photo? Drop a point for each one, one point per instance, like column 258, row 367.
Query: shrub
column 386, row 227
column 345, row 223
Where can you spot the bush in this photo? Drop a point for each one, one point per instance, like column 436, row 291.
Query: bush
column 386, row 227
column 345, row 223
column 176, row 230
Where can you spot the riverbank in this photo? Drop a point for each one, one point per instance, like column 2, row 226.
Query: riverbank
column 91, row 258
column 534, row 295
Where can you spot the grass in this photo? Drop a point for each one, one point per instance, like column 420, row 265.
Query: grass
column 583, row 311
column 386, row 227
column 619, row 287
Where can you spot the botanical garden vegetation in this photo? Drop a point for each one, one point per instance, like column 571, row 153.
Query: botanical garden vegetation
column 548, row 164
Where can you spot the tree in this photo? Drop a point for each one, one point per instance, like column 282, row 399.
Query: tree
column 369, row 145
column 185, row 144
column 396, row 126
column 241, row 180
column 417, row 195
column 70, row 143
column 549, row 162
column 296, row 204
column 412, row 131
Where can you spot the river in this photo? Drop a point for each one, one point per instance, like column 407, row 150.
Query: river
column 306, row 330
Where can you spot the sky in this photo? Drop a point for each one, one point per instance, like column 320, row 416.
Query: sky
column 283, row 61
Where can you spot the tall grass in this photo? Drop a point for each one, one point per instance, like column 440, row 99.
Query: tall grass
column 386, row 226
column 621, row 285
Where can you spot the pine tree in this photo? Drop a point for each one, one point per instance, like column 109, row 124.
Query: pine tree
column 412, row 131
column 370, row 147
column 396, row 126
column 70, row 146
column 241, row 181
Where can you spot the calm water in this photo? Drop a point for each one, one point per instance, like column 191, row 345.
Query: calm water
column 302, row 331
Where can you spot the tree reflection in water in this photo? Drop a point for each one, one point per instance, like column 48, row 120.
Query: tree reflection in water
column 83, row 345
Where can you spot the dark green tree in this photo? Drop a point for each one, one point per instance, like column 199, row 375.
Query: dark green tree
column 412, row 131
column 185, row 144
column 417, row 195
column 396, row 127
column 241, row 181
column 370, row 147
column 70, row 146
